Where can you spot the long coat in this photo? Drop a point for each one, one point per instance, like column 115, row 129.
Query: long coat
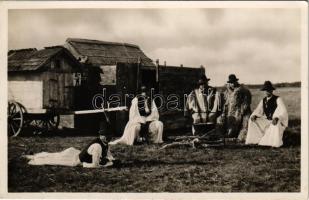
column 262, row 131
column 132, row 129
column 204, row 107
column 237, row 111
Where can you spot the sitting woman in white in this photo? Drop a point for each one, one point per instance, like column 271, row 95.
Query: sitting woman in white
column 95, row 154
column 268, row 121
column 143, row 121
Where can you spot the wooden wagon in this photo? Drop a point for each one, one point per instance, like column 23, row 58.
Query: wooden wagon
column 57, row 80
column 41, row 85
column 44, row 84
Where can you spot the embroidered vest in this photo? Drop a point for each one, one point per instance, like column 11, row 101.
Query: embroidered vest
column 270, row 106
column 84, row 156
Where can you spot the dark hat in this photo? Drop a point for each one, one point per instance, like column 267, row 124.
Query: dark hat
column 202, row 80
column 268, row 86
column 232, row 78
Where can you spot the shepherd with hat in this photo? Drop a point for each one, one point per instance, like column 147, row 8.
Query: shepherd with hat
column 203, row 104
column 269, row 120
column 237, row 108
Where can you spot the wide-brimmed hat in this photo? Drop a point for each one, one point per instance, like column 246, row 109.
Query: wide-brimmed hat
column 268, row 86
column 232, row 78
column 202, row 80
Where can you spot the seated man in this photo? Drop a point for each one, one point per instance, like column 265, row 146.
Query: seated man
column 204, row 105
column 143, row 121
column 95, row 154
column 268, row 120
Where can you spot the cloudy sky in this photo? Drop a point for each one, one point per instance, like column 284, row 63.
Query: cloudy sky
column 255, row 44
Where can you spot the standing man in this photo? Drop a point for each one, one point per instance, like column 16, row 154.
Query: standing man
column 237, row 108
column 268, row 120
column 204, row 105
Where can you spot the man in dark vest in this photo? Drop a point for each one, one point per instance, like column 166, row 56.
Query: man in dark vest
column 93, row 155
column 96, row 153
column 269, row 120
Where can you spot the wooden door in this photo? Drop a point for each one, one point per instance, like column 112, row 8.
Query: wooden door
column 126, row 86
column 53, row 90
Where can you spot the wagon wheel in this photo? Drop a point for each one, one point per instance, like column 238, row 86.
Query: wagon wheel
column 52, row 122
column 15, row 119
column 26, row 121
column 46, row 124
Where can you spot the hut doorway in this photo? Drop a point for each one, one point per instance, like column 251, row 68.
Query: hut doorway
column 148, row 78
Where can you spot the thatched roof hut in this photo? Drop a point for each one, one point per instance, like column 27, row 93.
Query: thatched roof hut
column 43, row 79
column 100, row 53
column 32, row 59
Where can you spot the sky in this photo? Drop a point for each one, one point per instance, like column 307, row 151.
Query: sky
column 256, row 44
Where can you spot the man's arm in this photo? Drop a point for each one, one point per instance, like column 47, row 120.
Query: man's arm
column 95, row 150
column 258, row 112
column 281, row 113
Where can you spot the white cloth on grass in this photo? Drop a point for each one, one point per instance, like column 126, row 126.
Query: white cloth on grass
column 133, row 127
column 262, row 131
column 67, row 157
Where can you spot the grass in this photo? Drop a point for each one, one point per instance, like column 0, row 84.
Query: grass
column 146, row 168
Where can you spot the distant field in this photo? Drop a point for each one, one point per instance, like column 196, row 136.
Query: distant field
column 291, row 97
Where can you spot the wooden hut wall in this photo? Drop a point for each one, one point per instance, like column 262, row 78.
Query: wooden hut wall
column 26, row 88
column 24, row 76
column 58, row 84
column 95, row 84
column 126, row 84
column 178, row 81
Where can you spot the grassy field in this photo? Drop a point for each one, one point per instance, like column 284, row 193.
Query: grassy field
column 146, row 168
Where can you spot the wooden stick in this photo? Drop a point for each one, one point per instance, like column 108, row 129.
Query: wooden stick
column 80, row 112
column 175, row 144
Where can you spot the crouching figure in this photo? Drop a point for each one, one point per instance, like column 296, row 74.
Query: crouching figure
column 143, row 121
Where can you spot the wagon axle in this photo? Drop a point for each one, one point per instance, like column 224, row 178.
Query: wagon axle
column 19, row 118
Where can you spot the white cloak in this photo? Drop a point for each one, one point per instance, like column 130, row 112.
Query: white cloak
column 262, row 131
column 132, row 129
column 70, row 157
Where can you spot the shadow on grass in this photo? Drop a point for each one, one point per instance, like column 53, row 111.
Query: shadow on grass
column 292, row 134
column 151, row 163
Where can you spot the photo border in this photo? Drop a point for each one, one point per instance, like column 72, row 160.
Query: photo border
column 5, row 6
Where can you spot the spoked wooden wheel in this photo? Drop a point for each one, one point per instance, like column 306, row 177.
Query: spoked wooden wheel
column 15, row 119
column 44, row 122
column 52, row 122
